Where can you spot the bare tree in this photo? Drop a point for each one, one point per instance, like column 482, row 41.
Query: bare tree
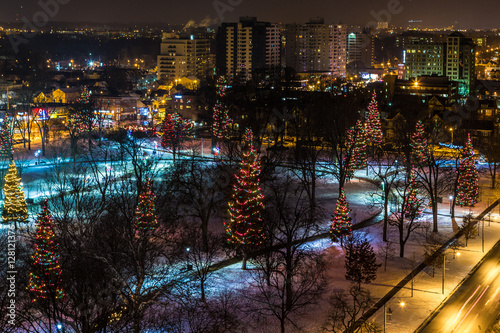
column 405, row 217
column 346, row 307
column 469, row 227
column 203, row 256
column 295, row 277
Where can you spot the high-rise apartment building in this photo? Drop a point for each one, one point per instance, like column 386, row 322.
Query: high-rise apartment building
column 183, row 56
column 308, row 46
column 247, row 48
column 316, row 47
column 338, row 50
column 454, row 58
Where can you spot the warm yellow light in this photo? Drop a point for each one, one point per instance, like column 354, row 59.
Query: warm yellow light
column 402, row 304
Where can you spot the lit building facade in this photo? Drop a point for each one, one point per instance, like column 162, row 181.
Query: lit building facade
column 454, row 58
column 247, row 48
column 183, row 56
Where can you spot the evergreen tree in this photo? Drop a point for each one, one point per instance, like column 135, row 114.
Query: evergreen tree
column 45, row 275
column 467, row 186
column 359, row 150
column 419, row 145
column 221, row 120
column 15, row 209
column 374, row 133
column 6, row 138
column 145, row 216
column 413, row 206
column 244, row 229
column 360, row 261
column 174, row 129
column 341, row 221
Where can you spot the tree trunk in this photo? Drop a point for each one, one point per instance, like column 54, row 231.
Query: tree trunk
column 386, row 215
column 401, row 242
column 435, row 215
column 244, row 263
column 202, row 286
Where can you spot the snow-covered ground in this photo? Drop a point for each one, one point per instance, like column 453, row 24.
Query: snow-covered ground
column 427, row 288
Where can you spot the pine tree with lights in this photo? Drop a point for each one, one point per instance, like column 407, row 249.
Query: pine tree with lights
column 374, row 133
column 467, row 186
column 412, row 203
column 419, row 145
column 173, row 131
column 6, row 138
column 358, row 158
column 221, row 120
column 14, row 209
column 341, row 221
column 45, row 275
column 145, row 216
column 244, row 229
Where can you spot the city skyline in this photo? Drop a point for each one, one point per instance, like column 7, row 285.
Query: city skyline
column 462, row 15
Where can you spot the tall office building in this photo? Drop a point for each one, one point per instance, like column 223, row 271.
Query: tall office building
column 247, row 48
column 183, row 56
column 360, row 48
column 454, row 58
column 461, row 62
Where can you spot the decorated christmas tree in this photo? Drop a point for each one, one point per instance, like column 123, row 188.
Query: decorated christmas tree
column 173, row 131
column 419, row 145
column 467, row 186
column 6, row 138
column 221, row 120
column 244, row 229
column 356, row 147
column 145, row 217
column 341, row 221
column 45, row 275
column 81, row 116
column 412, row 205
column 14, row 209
column 374, row 133
column 349, row 153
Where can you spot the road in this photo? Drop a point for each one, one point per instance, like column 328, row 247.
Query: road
column 475, row 304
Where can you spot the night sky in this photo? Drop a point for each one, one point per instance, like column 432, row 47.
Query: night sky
column 440, row 13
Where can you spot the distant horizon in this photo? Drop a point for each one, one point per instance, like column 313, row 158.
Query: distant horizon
column 460, row 14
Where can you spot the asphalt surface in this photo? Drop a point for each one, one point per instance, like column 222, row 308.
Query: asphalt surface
column 475, row 305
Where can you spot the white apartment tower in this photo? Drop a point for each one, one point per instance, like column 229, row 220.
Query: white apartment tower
column 183, row 56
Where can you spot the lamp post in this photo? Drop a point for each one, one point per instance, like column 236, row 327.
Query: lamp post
column 451, row 204
column 451, row 130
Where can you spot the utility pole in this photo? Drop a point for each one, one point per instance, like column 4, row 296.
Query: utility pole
column 444, row 269
column 482, row 238
column 385, row 317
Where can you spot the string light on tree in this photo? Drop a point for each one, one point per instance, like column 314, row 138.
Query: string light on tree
column 419, row 145
column 45, row 275
column 145, row 216
column 467, row 187
column 6, row 138
column 221, row 120
column 14, row 209
column 355, row 157
column 174, row 130
column 374, row 133
column 341, row 221
column 412, row 203
column 244, row 229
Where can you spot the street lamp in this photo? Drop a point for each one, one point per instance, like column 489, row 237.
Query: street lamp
column 451, row 203
column 37, row 154
column 451, row 130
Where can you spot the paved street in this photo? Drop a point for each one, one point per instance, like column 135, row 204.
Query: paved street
column 475, row 305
